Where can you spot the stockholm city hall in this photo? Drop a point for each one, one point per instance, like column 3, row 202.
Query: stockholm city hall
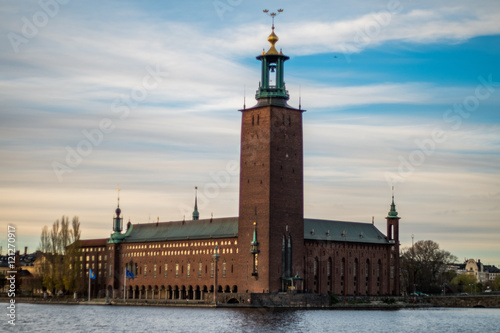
column 270, row 247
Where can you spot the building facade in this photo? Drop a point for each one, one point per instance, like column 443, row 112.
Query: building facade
column 270, row 247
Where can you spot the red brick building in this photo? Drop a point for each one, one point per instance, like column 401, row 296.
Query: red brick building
column 270, row 247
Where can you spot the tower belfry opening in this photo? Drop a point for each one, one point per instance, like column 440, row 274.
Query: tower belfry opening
column 272, row 84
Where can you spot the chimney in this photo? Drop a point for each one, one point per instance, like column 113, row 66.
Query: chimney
column 25, row 250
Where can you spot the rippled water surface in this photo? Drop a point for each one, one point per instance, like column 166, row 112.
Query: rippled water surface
column 83, row 318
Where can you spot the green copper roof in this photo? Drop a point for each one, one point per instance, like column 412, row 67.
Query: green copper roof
column 392, row 213
column 196, row 214
column 314, row 229
column 179, row 230
column 334, row 230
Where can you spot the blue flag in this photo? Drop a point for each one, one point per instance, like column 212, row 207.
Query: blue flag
column 129, row 274
column 92, row 275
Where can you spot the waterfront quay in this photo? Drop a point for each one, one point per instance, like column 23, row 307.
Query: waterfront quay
column 297, row 301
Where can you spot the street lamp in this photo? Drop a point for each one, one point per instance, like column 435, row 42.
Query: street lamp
column 216, row 257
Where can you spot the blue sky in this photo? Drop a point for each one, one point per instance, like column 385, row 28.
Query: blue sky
column 146, row 94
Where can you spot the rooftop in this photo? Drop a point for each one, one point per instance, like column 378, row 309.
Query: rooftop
column 314, row 229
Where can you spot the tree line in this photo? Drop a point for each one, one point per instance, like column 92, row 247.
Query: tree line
column 424, row 268
column 60, row 255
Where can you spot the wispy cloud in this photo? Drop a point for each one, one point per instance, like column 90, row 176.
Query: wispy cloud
column 66, row 79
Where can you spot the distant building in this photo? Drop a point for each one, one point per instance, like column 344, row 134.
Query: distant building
column 270, row 247
column 483, row 273
column 24, row 266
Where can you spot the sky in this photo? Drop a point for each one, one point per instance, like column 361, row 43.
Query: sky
column 145, row 95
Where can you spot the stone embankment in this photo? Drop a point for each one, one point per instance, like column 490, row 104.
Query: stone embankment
column 297, row 301
column 466, row 301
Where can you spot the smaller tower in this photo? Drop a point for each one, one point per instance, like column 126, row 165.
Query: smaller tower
column 393, row 239
column 117, row 236
column 393, row 224
column 196, row 214
column 117, row 220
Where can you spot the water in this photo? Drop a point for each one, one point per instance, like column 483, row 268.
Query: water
column 83, row 318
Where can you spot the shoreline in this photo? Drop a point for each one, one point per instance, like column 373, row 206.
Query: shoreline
column 156, row 303
column 492, row 302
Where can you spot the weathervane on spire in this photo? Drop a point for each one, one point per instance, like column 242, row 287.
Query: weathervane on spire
column 273, row 14
column 118, row 196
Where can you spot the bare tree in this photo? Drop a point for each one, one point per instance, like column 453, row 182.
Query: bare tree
column 425, row 264
column 60, row 250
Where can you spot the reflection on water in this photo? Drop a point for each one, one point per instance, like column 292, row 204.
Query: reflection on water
column 82, row 318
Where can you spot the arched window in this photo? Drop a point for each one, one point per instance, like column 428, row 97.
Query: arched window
column 355, row 276
column 329, row 273
column 315, row 270
column 342, row 274
column 379, row 269
column 367, row 275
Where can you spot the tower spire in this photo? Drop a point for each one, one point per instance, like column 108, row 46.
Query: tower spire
column 392, row 213
column 196, row 214
column 118, row 210
column 272, row 86
column 118, row 221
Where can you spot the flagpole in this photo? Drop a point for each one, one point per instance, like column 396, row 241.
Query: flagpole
column 124, row 284
column 89, row 285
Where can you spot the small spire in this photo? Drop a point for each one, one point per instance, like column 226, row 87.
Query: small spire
column 118, row 210
column 196, row 214
column 273, row 39
column 393, row 213
column 254, row 245
column 300, row 97
column 254, row 241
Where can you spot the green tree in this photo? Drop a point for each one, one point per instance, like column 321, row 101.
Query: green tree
column 466, row 283
column 496, row 283
column 425, row 266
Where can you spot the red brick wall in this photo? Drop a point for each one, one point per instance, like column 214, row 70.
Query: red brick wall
column 322, row 251
column 271, row 192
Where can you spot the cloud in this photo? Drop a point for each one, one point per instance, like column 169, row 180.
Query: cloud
column 186, row 131
column 433, row 25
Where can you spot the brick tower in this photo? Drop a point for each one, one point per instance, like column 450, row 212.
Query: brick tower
column 271, row 211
